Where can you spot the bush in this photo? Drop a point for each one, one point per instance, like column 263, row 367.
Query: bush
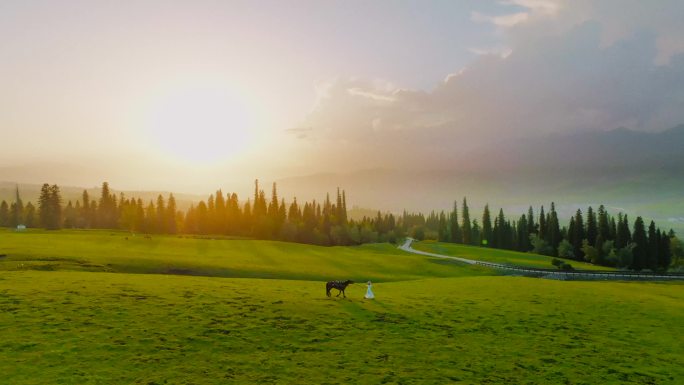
column 539, row 246
column 419, row 233
column 565, row 250
column 566, row 266
column 556, row 262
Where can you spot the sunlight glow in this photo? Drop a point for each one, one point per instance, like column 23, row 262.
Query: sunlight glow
column 200, row 125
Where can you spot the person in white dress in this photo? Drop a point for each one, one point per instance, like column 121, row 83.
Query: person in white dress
column 369, row 292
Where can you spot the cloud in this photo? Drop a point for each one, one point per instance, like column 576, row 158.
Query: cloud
column 501, row 21
column 299, row 132
column 571, row 67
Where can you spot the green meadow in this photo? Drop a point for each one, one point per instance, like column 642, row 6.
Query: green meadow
column 499, row 256
column 122, row 252
column 72, row 312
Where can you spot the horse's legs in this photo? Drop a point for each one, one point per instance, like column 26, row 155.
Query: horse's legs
column 340, row 292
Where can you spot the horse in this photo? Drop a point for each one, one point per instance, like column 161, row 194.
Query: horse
column 339, row 285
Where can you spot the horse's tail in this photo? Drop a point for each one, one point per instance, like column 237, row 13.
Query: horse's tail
column 327, row 289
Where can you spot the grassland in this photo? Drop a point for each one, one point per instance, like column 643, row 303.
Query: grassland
column 63, row 321
column 79, row 327
column 498, row 256
column 238, row 258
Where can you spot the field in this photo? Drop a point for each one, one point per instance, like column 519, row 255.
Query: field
column 499, row 256
column 237, row 258
column 433, row 322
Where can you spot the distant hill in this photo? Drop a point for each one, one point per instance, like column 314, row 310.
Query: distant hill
column 635, row 172
column 31, row 192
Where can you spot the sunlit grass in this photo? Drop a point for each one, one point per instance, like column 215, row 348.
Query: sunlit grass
column 498, row 256
column 122, row 252
column 90, row 328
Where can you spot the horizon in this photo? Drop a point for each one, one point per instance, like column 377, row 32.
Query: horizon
column 188, row 97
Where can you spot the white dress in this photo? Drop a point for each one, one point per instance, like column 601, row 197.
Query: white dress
column 369, row 292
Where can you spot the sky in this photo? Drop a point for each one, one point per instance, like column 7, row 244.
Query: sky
column 193, row 96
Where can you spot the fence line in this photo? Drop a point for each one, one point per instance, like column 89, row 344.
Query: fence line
column 585, row 275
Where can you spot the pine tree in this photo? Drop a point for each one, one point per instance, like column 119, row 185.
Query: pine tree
column 531, row 226
column 466, row 228
column 592, row 227
column 500, row 232
column 161, row 215
column 665, row 252
column 640, row 251
column 171, row 211
column 44, row 206
column 4, row 214
column 486, row 227
column 653, row 245
column 612, row 229
column 603, row 226
column 85, row 214
column 151, row 218
column 553, row 231
column 523, row 242
column 454, row 229
column 542, row 225
column 477, row 233
column 30, row 215
column 442, row 230
column 17, row 214
column 344, row 208
column 578, row 235
column 623, row 236
column 50, row 206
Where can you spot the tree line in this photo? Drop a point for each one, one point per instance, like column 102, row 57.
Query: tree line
column 601, row 238
column 261, row 217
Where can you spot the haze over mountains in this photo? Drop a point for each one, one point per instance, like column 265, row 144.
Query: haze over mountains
column 639, row 173
column 636, row 172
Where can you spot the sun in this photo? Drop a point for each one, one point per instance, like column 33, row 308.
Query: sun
column 200, row 125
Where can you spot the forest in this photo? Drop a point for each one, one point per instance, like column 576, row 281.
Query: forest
column 596, row 237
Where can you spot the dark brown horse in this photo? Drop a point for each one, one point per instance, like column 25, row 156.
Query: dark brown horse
column 339, row 285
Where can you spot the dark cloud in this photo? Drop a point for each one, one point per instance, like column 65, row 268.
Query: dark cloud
column 588, row 73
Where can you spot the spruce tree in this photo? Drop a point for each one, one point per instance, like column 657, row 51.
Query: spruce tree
column 500, row 230
column 44, row 206
column 4, row 214
column 454, row 229
column 523, row 237
column 612, row 230
column 171, row 210
column 531, row 226
column 592, row 227
column 486, row 226
column 578, row 235
column 665, row 252
column 543, row 226
column 553, row 231
column 55, row 200
column 623, row 236
column 653, row 245
column 640, row 251
column 30, row 215
column 17, row 214
column 603, row 226
column 442, row 230
column 466, row 228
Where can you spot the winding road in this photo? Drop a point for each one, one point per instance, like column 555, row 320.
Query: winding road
column 583, row 275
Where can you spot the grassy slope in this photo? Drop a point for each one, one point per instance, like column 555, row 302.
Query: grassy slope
column 498, row 256
column 121, row 252
column 80, row 327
